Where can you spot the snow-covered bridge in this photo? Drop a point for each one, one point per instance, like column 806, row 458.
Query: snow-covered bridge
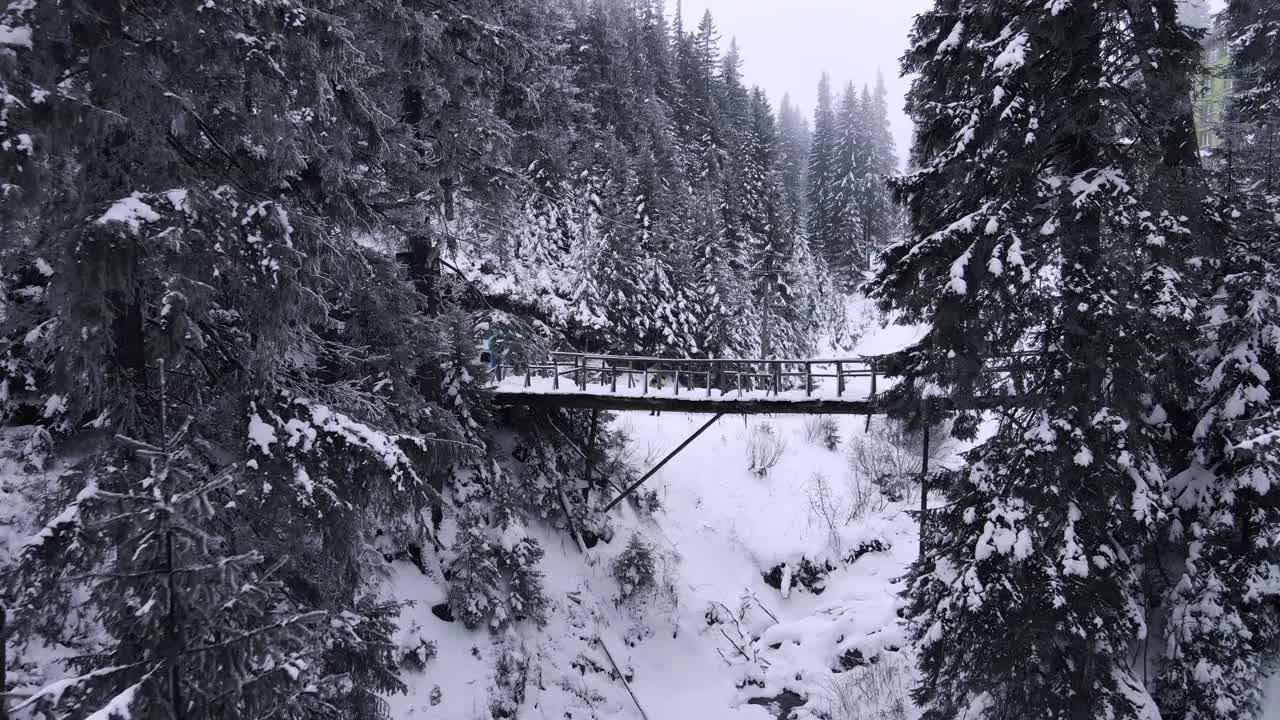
column 833, row 386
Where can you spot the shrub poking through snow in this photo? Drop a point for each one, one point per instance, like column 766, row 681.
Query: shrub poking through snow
column 635, row 569
column 823, row 431
column 764, row 449
column 889, row 457
column 875, row 690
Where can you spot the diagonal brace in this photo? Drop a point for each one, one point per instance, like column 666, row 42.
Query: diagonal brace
column 664, row 461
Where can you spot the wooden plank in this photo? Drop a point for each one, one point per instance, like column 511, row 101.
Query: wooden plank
column 729, row 405
column 720, row 404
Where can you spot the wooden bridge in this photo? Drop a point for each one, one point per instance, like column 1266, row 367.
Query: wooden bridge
column 835, row 386
column 832, row 386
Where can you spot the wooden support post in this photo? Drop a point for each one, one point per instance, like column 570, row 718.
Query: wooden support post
column 677, row 378
column 528, row 376
column 873, row 394
column 711, row 366
column 591, row 449
column 738, row 380
column 808, row 378
column 645, row 390
column 839, row 379
column 777, row 377
column 613, row 378
column 4, row 698
column 555, row 373
column 662, row 462
column 924, row 473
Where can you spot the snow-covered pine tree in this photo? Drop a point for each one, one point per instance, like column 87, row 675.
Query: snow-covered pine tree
column 1220, row 611
column 877, row 215
column 821, row 179
column 1037, row 224
column 195, row 178
column 197, row 621
column 770, row 246
column 850, row 170
column 1220, row 626
column 1251, row 28
column 793, row 160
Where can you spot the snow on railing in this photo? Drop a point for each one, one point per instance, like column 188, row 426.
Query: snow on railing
column 852, row 377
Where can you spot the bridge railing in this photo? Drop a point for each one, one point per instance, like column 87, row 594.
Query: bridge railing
column 699, row 375
column 859, row 376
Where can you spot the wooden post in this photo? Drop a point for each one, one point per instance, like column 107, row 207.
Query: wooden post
column 645, row 390
column 738, row 379
column 808, row 378
column 777, row 377
column 676, row 365
column 873, row 394
column 924, row 472
column 711, row 366
column 591, row 449
column 4, row 698
column 555, row 373
column 528, row 376
column 613, row 378
column 839, row 379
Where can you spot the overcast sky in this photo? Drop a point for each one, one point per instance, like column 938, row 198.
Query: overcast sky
column 787, row 44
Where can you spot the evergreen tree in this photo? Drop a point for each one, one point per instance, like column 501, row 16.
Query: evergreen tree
column 194, row 182
column 820, row 184
column 1039, row 222
column 1252, row 30
column 875, row 208
column 1221, row 619
column 849, row 167
column 793, row 161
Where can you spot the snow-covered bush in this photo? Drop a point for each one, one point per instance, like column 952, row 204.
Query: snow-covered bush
column 823, row 431
column 832, row 508
column 889, row 456
column 510, row 678
column 635, row 568
column 765, row 446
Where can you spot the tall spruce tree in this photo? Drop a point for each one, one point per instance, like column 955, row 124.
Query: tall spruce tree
column 849, row 169
column 1221, row 620
column 820, row 180
column 877, row 215
column 193, row 180
column 1038, row 223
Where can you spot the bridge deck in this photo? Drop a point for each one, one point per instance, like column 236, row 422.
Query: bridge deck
column 844, row 386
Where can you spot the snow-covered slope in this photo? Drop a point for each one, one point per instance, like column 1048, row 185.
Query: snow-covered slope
column 720, row 528
column 715, row 639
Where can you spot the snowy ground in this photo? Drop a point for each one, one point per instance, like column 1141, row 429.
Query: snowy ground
column 720, row 528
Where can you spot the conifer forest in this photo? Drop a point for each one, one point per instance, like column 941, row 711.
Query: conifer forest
column 328, row 330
